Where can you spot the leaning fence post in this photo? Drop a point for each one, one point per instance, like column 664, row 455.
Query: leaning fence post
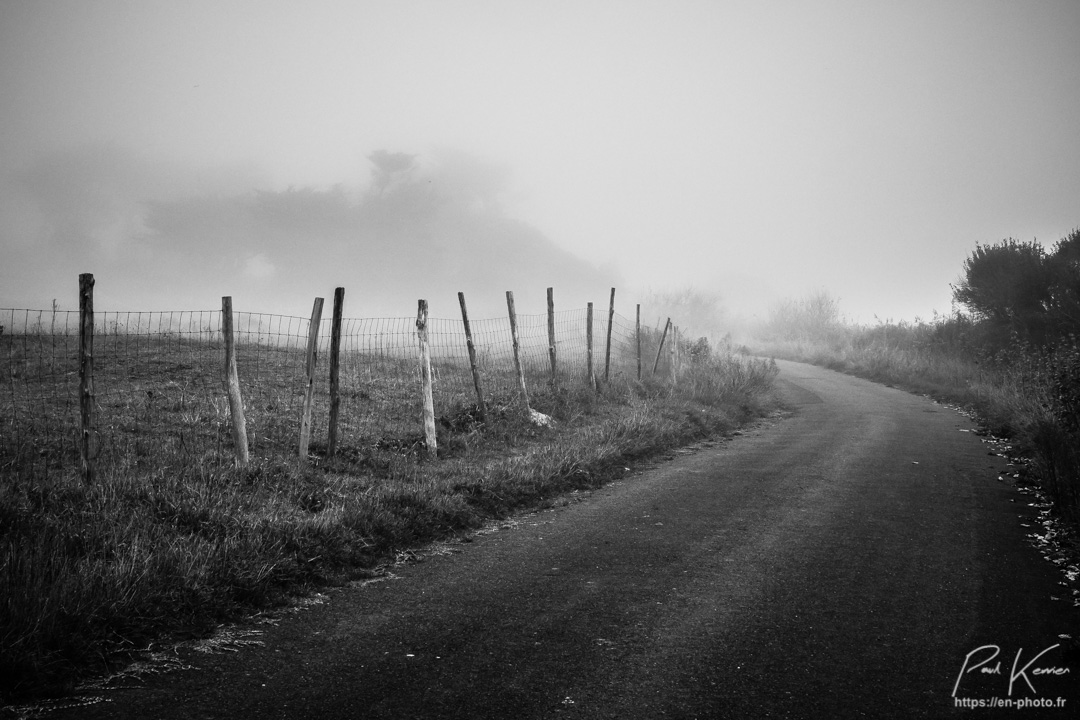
column 607, row 352
column 661, row 348
column 309, row 377
column 425, row 376
column 472, row 359
column 232, row 386
column 637, row 335
column 551, row 336
column 86, row 376
column 335, row 370
column 673, row 351
column 517, row 347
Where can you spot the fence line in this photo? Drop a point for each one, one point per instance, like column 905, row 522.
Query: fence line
column 159, row 397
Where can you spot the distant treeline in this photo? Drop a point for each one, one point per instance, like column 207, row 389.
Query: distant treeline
column 407, row 226
column 436, row 229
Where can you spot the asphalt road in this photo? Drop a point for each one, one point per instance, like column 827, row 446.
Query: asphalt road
column 846, row 561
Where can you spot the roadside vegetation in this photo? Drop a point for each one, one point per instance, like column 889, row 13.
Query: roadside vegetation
column 1013, row 355
column 91, row 574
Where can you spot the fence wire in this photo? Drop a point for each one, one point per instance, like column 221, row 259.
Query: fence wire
column 160, row 402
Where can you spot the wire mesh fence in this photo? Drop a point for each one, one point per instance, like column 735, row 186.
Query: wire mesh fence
column 159, row 397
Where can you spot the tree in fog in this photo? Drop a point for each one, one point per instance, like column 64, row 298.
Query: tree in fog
column 440, row 226
column 813, row 317
column 1065, row 267
column 1021, row 290
column 390, row 168
column 698, row 312
column 1007, row 284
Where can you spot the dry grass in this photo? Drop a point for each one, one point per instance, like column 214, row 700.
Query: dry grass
column 172, row 539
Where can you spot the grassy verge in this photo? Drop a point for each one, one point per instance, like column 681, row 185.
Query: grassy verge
column 87, row 573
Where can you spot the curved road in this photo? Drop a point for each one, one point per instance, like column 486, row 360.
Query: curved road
column 846, row 561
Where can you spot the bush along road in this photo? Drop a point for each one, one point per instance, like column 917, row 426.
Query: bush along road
column 859, row 557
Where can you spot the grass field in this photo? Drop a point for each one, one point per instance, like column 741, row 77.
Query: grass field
column 172, row 539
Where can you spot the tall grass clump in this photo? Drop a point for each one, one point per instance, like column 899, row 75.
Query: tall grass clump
column 807, row 327
column 92, row 574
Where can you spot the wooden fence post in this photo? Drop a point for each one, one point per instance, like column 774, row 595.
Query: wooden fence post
column 425, row 375
column 335, row 371
column 472, row 360
column 551, row 336
column 309, row 377
column 232, row 387
column 673, row 350
column 607, row 352
column 517, row 347
column 661, row 348
column 637, row 335
column 86, row 377
column 589, row 377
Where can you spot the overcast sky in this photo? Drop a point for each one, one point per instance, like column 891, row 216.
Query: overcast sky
column 758, row 149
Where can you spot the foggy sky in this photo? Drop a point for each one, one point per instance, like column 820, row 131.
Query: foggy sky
column 753, row 149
